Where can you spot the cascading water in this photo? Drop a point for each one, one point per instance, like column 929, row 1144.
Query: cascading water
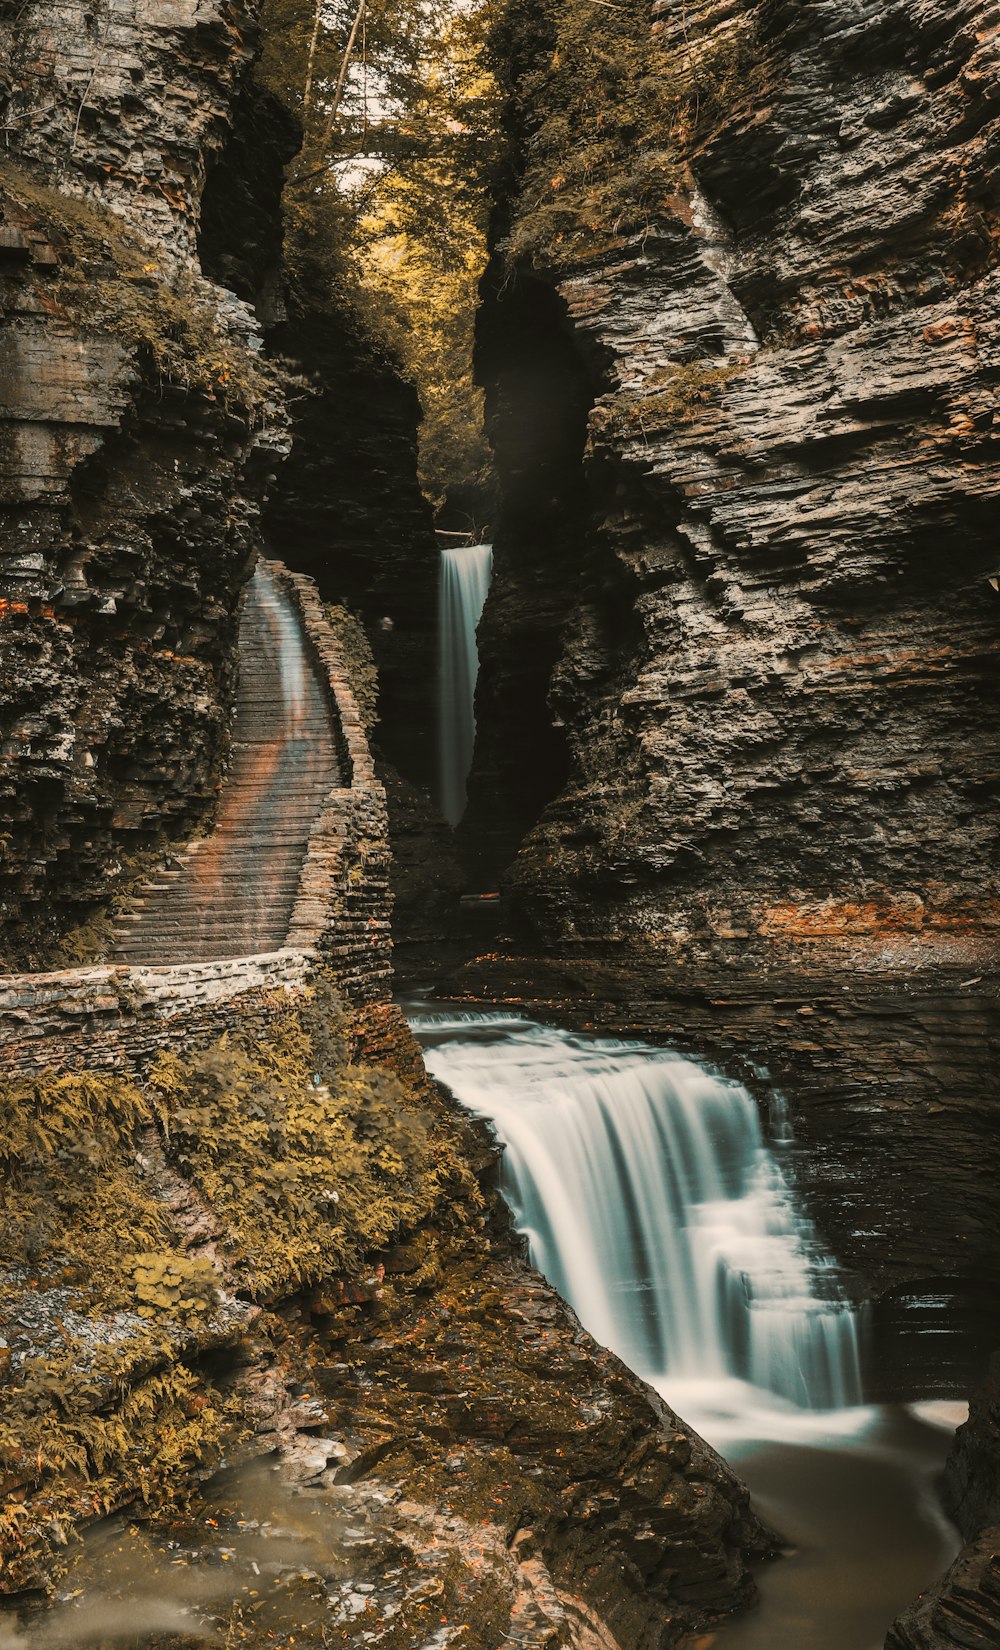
column 650, row 1200
column 465, row 580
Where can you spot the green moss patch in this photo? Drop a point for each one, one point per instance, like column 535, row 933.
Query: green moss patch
column 99, row 1406
column 359, row 661
column 675, row 395
column 309, row 1160
column 75, row 1207
column 309, row 1164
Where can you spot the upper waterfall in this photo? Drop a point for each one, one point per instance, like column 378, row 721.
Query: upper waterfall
column 465, row 580
column 651, row 1201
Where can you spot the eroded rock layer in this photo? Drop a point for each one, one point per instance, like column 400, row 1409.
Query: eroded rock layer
column 775, row 631
column 138, row 432
column 263, row 1242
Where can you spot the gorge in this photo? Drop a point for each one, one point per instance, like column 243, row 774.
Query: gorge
column 672, row 781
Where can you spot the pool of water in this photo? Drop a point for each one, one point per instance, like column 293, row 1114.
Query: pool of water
column 864, row 1530
column 762, row 1370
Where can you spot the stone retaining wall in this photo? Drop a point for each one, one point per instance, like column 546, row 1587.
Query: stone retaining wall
column 119, row 1017
column 343, row 909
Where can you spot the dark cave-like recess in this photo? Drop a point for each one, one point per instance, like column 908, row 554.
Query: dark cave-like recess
column 538, row 397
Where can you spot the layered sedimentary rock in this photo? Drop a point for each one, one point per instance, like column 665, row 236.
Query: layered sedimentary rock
column 270, row 1241
column 141, row 431
column 963, row 1608
column 349, row 510
column 769, row 588
column 138, row 432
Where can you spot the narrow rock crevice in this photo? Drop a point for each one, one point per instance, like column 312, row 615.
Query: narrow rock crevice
column 539, row 394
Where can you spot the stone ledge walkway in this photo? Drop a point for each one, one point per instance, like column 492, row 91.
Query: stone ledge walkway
column 233, row 892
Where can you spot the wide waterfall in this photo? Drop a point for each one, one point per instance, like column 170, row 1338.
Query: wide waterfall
column 465, row 580
column 651, row 1201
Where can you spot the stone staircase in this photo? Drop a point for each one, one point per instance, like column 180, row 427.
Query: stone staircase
column 231, row 893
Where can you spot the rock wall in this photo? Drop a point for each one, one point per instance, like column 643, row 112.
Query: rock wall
column 124, row 104
column 349, row 511
column 775, row 645
column 192, row 1264
column 119, row 1018
column 138, row 430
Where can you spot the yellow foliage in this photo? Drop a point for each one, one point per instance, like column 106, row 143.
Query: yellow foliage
column 390, row 219
column 310, row 1160
column 311, row 1163
column 608, row 118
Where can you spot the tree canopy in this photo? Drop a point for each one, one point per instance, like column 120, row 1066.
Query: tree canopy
column 387, row 203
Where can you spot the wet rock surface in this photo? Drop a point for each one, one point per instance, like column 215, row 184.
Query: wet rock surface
column 774, row 651
column 964, row 1608
column 463, row 1453
column 527, row 1425
column 883, row 1077
column 461, row 1480
column 138, row 433
column 972, row 1490
column 775, row 644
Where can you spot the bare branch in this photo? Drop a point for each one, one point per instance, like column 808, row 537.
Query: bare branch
column 311, row 61
column 345, row 65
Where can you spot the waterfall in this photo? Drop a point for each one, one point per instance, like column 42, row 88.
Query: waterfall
column 651, row 1201
column 465, row 579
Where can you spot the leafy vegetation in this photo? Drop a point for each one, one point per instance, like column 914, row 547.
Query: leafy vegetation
column 310, row 1162
column 75, row 1206
column 97, row 1406
column 606, row 119
column 355, row 650
column 386, row 208
column 674, row 394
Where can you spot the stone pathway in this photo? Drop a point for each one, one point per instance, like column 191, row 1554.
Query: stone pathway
column 233, row 892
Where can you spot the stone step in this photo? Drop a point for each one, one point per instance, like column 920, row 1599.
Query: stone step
column 233, row 892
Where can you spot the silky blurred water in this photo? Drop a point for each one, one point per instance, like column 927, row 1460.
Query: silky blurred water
column 465, row 581
column 652, row 1202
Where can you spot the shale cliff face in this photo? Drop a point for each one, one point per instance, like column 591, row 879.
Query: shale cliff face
column 141, row 269
column 271, row 1241
column 770, row 601
column 138, row 431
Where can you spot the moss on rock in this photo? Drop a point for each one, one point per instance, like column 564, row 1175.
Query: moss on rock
column 310, row 1160
column 110, row 279
column 607, row 119
column 137, row 1215
column 676, row 394
column 359, row 660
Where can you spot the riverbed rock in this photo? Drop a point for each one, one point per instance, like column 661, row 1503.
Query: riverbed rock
column 963, row 1611
column 489, row 1404
column 972, row 1487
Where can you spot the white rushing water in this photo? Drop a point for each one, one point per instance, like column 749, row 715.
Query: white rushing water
column 651, row 1201
column 465, row 580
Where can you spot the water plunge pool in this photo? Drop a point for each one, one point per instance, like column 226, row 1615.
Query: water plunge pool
column 650, row 1199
